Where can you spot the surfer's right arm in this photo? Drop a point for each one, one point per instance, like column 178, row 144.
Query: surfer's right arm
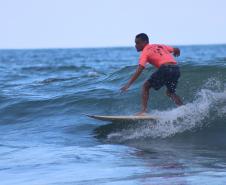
column 139, row 70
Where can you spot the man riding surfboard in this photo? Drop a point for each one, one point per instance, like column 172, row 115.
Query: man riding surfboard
column 167, row 73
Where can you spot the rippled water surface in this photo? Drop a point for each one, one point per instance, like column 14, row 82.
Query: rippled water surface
column 46, row 139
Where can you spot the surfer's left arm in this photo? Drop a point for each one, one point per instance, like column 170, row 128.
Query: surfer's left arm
column 139, row 70
column 176, row 52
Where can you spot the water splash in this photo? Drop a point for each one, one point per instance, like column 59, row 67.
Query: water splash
column 187, row 117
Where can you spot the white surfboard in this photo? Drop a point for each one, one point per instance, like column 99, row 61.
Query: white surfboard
column 123, row 118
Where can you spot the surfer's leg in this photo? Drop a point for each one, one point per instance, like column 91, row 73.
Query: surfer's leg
column 155, row 82
column 175, row 98
column 172, row 74
column 145, row 96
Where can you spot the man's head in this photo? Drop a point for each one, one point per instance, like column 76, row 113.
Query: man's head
column 141, row 41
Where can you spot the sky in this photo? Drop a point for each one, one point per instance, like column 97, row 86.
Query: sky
column 110, row 23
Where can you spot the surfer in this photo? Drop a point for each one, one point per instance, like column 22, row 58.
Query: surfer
column 167, row 73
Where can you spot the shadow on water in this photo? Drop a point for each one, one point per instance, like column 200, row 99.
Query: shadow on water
column 102, row 132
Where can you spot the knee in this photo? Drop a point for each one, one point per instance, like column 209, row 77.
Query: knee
column 168, row 93
column 146, row 86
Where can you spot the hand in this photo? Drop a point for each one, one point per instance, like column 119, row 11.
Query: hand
column 125, row 88
column 176, row 52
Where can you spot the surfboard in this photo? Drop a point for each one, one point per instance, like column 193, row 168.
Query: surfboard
column 123, row 118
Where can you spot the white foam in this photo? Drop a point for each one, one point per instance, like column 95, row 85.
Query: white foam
column 92, row 74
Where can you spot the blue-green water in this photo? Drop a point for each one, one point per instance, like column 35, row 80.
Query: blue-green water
column 46, row 139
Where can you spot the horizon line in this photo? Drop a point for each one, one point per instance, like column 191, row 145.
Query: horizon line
column 102, row 47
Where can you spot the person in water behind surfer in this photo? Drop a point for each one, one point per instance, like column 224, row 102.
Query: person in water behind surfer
column 167, row 73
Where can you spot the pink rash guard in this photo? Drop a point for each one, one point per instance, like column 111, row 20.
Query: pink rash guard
column 156, row 54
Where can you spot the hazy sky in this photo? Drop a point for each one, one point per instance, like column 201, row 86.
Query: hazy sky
column 99, row 23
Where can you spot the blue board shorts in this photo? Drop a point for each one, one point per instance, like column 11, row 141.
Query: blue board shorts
column 168, row 75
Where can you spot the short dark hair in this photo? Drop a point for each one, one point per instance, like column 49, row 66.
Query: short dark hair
column 143, row 37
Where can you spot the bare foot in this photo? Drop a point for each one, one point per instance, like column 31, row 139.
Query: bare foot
column 142, row 113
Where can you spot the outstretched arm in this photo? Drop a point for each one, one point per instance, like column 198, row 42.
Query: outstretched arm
column 176, row 52
column 133, row 78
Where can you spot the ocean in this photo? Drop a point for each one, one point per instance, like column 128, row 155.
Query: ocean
column 45, row 138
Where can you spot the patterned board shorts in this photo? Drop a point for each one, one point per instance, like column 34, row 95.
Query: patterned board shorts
column 168, row 75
